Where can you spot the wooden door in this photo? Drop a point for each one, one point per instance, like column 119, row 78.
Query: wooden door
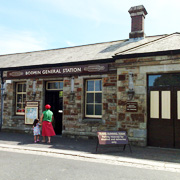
column 160, row 117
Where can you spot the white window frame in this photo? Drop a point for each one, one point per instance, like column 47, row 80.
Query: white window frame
column 23, row 102
column 94, row 103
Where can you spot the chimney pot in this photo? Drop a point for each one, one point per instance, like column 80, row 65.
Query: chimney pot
column 137, row 14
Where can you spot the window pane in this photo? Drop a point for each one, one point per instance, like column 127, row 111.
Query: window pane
column 89, row 110
column 90, row 97
column 166, row 105
column 24, row 87
column 18, row 107
column 154, row 104
column 90, row 85
column 178, row 105
column 19, row 98
column 56, row 85
column 98, row 109
column 164, row 80
column 98, row 97
column 19, row 88
column 61, row 85
column 98, row 85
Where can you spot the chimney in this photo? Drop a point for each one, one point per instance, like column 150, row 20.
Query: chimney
column 137, row 14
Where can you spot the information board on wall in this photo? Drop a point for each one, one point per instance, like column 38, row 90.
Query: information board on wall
column 131, row 107
column 31, row 112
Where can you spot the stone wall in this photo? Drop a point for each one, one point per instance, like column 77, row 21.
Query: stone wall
column 11, row 121
column 74, row 122
column 132, row 122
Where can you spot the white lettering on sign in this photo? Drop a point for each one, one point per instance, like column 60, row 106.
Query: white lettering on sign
column 27, row 73
column 70, row 70
column 51, row 71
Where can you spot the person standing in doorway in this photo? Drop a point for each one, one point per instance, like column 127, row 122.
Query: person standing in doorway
column 46, row 121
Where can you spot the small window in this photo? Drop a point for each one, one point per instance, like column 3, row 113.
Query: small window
column 20, row 98
column 93, row 99
column 54, row 85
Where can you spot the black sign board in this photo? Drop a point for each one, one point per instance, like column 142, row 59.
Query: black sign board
column 131, row 107
column 113, row 138
column 117, row 137
column 56, row 71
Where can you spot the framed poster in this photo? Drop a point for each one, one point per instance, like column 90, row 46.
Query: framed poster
column 31, row 113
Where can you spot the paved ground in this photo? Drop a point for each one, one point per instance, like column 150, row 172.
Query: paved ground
column 163, row 158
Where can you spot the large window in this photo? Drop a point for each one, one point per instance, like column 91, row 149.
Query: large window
column 93, row 100
column 20, row 98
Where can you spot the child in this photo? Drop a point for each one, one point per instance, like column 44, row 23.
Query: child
column 36, row 130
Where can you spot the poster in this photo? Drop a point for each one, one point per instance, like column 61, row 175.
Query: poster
column 31, row 113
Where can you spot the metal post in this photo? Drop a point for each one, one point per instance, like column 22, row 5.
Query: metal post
column 2, row 100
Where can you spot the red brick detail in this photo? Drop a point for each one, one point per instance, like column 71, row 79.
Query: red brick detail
column 105, row 106
column 78, row 97
column 121, row 103
column 137, row 117
column 39, row 82
column 130, row 61
column 113, row 119
column 66, row 102
column 79, row 106
column 70, row 119
column 105, row 80
column 112, row 123
column 79, row 89
column 109, row 84
column 121, row 117
column 66, row 112
column 121, row 89
column 121, row 77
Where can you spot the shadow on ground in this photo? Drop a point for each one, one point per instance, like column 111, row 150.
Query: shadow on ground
column 89, row 146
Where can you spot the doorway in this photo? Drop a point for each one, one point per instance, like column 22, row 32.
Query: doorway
column 164, row 112
column 54, row 97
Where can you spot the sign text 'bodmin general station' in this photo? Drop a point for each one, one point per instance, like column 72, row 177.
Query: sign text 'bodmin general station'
column 58, row 71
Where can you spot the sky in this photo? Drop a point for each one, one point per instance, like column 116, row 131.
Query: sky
column 34, row 25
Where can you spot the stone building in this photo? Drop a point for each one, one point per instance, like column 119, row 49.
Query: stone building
column 131, row 85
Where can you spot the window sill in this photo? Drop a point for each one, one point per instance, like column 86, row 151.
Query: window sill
column 92, row 120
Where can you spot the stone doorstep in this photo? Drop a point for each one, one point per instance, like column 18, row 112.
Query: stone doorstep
column 108, row 158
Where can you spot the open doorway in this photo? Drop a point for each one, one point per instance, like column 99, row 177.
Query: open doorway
column 54, row 97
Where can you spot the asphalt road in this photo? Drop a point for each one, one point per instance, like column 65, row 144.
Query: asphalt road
column 22, row 165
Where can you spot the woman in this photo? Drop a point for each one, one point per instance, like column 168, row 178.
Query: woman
column 46, row 121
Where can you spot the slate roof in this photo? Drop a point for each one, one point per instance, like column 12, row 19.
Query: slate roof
column 91, row 52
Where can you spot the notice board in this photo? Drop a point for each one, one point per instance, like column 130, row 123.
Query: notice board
column 31, row 112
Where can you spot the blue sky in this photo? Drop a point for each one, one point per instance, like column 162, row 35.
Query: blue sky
column 32, row 25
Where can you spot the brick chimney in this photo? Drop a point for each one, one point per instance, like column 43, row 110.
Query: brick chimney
column 137, row 14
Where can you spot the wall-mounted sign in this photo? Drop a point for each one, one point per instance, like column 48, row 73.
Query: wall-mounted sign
column 131, row 107
column 31, row 112
column 58, row 71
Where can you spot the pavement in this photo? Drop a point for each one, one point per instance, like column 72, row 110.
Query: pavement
column 150, row 157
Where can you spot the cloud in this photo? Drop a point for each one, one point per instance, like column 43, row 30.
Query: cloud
column 20, row 41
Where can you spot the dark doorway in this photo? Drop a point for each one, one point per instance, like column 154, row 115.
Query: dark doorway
column 55, row 99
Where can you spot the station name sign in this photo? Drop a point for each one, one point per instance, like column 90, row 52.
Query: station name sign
column 84, row 69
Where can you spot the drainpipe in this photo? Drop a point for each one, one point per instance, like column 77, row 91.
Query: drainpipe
column 2, row 100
